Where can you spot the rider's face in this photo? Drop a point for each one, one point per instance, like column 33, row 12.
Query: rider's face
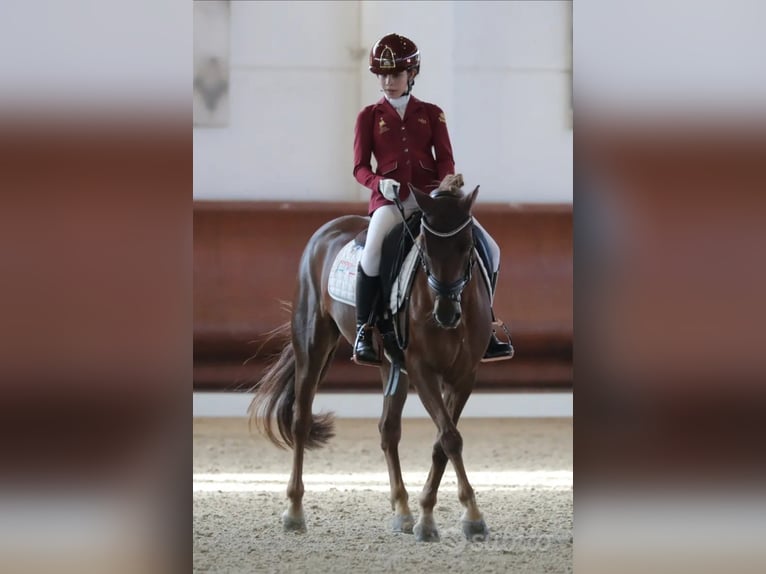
column 394, row 85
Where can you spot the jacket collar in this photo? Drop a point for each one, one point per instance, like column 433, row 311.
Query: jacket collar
column 388, row 109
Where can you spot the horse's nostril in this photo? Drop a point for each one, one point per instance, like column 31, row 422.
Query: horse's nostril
column 447, row 313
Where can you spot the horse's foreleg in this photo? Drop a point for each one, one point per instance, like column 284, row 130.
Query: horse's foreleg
column 390, row 428
column 428, row 388
column 472, row 521
column 448, row 446
column 439, row 459
column 314, row 347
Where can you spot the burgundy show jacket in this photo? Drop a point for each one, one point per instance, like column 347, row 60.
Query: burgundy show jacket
column 402, row 148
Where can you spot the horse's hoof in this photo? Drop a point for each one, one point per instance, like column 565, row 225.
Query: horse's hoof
column 403, row 523
column 426, row 532
column 475, row 530
column 292, row 523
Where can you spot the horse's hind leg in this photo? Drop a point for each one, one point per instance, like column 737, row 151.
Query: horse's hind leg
column 390, row 428
column 315, row 338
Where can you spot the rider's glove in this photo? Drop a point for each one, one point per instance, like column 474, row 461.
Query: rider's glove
column 389, row 188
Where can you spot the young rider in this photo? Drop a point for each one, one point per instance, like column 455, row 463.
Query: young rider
column 401, row 132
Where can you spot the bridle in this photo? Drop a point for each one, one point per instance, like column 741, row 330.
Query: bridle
column 452, row 291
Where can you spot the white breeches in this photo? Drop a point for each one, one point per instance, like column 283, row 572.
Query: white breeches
column 385, row 219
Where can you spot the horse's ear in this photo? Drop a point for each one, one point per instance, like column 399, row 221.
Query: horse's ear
column 468, row 200
column 423, row 200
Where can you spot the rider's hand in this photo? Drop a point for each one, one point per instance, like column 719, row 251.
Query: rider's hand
column 389, row 188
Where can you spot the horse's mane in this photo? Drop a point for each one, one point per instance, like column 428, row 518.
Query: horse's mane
column 452, row 184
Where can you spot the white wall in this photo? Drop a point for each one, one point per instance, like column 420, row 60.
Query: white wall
column 293, row 79
column 83, row 56
column 682, row 59
column 512, row 126
column 500, row 70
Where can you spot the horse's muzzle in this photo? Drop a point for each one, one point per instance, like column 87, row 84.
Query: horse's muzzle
column 447, row 312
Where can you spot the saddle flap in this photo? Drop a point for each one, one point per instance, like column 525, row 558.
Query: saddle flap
column 402, row 284
column 396, row 247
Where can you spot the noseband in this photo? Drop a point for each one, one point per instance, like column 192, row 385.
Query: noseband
column 451, row 291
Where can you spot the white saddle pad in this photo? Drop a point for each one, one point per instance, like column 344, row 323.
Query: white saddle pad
column 342, row 281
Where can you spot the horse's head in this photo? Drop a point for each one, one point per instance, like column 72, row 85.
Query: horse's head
column 448, row 248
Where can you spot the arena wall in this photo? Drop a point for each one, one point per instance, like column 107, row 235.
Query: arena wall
column 246, row 258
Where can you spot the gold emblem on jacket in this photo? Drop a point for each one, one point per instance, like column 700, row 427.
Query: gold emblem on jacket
column 382, row 125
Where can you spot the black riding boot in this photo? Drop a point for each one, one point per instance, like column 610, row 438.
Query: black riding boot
column 366, row 300
column 497, row 350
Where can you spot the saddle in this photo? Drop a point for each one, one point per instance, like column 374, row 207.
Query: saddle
column 396, row 245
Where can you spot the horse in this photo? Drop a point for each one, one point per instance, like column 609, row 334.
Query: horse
column 450, row 324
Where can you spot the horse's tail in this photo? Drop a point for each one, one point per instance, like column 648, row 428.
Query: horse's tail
column 274, row 399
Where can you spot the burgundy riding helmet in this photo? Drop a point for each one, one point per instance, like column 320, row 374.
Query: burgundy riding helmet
column 394, row 53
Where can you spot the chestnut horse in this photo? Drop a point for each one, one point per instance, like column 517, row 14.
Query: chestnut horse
column 450, row 324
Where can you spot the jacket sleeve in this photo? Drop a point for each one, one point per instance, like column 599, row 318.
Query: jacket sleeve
column 445, row 162
column 363, row 151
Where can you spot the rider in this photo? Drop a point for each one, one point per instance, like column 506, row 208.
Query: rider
column 400, row 131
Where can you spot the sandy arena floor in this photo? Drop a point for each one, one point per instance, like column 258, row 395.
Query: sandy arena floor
column 521, row 470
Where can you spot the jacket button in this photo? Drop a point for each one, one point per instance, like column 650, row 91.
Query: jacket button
column 402, row 128
column 406, row 150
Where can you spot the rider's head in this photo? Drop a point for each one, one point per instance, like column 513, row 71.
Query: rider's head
column 396, row 61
